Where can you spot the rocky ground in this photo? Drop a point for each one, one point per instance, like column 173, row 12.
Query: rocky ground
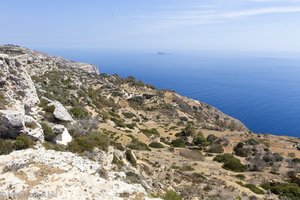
column 69, row 132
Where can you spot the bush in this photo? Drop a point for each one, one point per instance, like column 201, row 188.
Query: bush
column 296, row 160
column 23, row 142
column 171, row 195
column 187, row 168
column 199, row 140
column 89, row 142
column 49, row 109
column 254, row 189
column 239, row 150
column 288, row 190
column 128, row 115
column 189, row 130
column 234, row 165
column 240, row 176
column 156, row 145
column 79, row 112
column 149, row 132
column 132, row 177
column 272, row 157
column 6, row 147
column 130, row 157
column 223, row 158
column 178, row 143
column 216, row 148
column 211, row 138
column 251, row 142
column 230, row 162
column 48, row 132
column 137, row 145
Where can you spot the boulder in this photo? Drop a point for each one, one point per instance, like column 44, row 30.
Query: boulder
column 33, row 128
column 11, row 123
column 63, row 136
column 60, row 112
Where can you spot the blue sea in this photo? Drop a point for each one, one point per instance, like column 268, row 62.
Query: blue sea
column 263, row 91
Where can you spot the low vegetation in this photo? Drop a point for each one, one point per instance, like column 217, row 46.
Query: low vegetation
column 150, row 132
column 89, row 142
column 130, row 157
column 135, row 144
column 230, row 163
column 21, row 142
column 285, row 190
column 156, row 145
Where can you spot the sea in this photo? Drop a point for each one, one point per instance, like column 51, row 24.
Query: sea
column 260, row 89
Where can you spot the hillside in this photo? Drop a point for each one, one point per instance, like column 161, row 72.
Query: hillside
column 69, row 131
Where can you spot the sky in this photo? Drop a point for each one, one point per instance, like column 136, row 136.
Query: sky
column 226, row 25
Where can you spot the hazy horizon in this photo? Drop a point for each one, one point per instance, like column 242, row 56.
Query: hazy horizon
column 209, row 25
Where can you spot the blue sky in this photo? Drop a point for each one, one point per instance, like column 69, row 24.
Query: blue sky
column 233, row 25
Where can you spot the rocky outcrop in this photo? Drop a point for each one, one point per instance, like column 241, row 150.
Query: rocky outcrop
column 48, row 174
column 60, row 112
column 63, row 136
column 33, row 128
column 11, row 123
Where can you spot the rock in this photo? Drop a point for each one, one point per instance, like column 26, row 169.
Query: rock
column 63, row 137
column 59, row 175
column 60, row 112
column 11, row 123
column 33, row 128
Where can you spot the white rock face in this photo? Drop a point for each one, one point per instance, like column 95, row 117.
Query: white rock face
column 64, row 137
column 33, row 128
column 47, row 174
column 61, row 112
column 11, row 122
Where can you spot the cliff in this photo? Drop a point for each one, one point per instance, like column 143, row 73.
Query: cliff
column 118, row 138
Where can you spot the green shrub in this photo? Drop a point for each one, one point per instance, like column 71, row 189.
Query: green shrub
column 6, row 147
column 251, row 142
column 48, row 132
column 156, row 145
column 131, row 126
column 117, row 161
column 187, row 168
column 254, row 189
column 296, row 160
column 129, row 156
column 239, row 150
column 223, row 158
column 23, row 142
column 128, row 115
column 89, row 142
column 234, row 165
column 49, row 109
column 216, row 148
column 132, row 177
column 137, row 145
column 240, row 176
column 79, row 112
column 288, row 190
column 178, row 143
column 211, row 138
column 189, row 130
column 230, row 162
column 171, row 195
column 149, row 132
column 199, row 140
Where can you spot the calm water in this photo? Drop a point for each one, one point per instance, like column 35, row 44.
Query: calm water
column 263, row 92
